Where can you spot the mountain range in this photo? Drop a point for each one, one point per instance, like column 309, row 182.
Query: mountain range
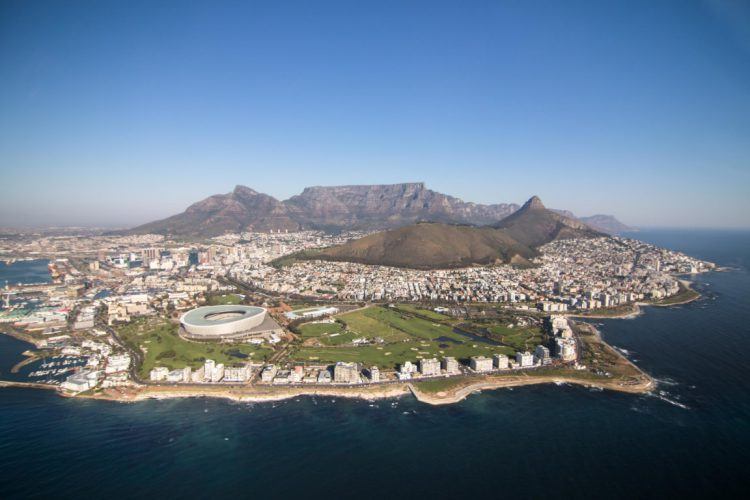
column 513, row 240
column 335, row 208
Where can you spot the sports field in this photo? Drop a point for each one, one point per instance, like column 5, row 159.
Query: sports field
column 227, row 299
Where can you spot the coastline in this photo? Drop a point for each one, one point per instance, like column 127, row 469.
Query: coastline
column 266, row 394
column 627, row 378
column 457, row 395
column 243, row 393
column 464, row 387
column 639, row 383
column 636, row 309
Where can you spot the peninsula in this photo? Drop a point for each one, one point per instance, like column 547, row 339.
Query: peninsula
column 435, row 310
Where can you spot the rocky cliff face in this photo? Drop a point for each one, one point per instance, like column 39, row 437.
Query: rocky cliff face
column 241, row 210
column 534, row 225
column 387, row 206
column 366, row 207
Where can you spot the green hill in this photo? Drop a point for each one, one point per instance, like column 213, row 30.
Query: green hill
column 438, row 246
column 431, row 245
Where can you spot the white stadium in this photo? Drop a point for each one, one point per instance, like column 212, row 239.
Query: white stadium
column 226, row 322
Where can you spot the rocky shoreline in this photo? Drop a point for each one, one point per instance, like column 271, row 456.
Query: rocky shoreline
column 260, row 394
column 637, row 307
column 246, row 393
column 455, row 396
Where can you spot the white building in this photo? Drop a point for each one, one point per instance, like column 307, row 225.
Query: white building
column 429, row 367
column 312, row 313
column 500, row 361
column 565, row 349
column 81, row 381
column 450, row 365
column 268, row 373
column 237, row 374
column 159, row 373
column 480, row 364
column 552, row 306
column 208, row 370
column 541, row 355
column 407, row 368
column 117, row 363
column 324, row 377
column 524, row 359
column 374, row 374
column 346, row 373
column 198, row 375
column 218, row 373
column 116, row 380
column 176, row 375
column 295, row 376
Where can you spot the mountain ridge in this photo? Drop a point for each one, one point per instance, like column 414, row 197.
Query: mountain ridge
column 437, row 245
column 330, row 208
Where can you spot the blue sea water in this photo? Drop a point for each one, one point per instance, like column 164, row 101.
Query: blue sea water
column 25, row 272
column 690, row 439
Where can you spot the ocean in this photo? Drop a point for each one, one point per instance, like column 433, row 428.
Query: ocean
column 25, row 271
column 691, row 438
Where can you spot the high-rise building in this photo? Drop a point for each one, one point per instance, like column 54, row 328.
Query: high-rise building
column 500, row 361
column 346, row 373
column 480, row 363
column 218, row 373
column 524, row 359
column 450, row 365
column 407, row 367
column 268, row 373
column 159, row 373
column 429, row 367
column 208, row 369
column 541, row 355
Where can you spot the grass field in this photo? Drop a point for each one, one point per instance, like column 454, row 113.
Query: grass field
column 441, row 384
column 163, row 347
column 684, row 295
column 392, row 355
column 329, row 334
column 520, row 338
column 368, row 323
column 308, row 330
column 394, row 325
column 220, row 300
column 427, row 313
column 405, row 338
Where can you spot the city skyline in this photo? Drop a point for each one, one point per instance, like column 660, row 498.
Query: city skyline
column 118, row 115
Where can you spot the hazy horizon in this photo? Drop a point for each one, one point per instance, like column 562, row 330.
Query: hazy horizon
column 119, row 114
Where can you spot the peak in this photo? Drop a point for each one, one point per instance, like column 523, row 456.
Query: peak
column 534, row 203
column 243, row 190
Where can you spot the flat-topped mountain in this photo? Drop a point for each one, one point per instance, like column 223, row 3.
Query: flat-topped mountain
column 429, row 246
column 333, row 208
column 387, row 206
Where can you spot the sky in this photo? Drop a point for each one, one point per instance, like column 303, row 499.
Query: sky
column 117, row 113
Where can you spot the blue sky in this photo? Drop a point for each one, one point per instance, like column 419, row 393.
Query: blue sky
column 116, row 113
